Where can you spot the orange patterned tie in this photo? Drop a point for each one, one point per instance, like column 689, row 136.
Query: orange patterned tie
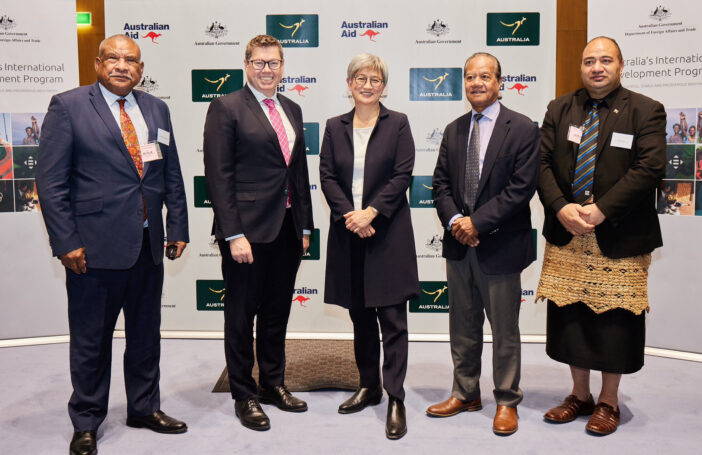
column 130, row 137
column 132, row 142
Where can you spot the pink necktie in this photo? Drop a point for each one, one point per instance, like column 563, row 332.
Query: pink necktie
column 277, row 123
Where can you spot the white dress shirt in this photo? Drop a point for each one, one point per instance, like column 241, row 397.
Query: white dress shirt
column 360, row 144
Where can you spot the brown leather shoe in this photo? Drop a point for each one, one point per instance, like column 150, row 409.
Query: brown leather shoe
column 505, row 422
column 570, row 408
column 604, row 420
column 453, row 406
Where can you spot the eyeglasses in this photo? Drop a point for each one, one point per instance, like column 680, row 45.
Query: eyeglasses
column 361, row 81
column 260, row 64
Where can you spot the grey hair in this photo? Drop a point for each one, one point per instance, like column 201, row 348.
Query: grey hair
column 367, row 61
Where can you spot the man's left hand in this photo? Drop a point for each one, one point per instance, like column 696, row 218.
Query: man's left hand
column 181, row 246
column 594, row 215
column 464, row 231
column 305, row 243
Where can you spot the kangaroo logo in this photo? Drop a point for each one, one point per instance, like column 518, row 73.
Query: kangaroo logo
column 516, row 24
column 519, row 87
column 296, row 26
column 153, row 36
column 438, row 292
column 428, row 187
column 371, row 34
column 439, row 80
column 301, row 299
column 299, row 89
column 221, row 291
column 221, row 81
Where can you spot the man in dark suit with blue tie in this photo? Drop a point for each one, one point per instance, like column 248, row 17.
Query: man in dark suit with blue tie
column 256, row 170
column 108, row 163
column 485, row 176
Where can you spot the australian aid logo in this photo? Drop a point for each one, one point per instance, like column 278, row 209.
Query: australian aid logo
column 421, row 192
column 513, row 29
column 362, row 29
column 141, row 31
column 517, row 84
column 303, row 295
column 210, row 84
column 436, row 84
column 294, row 30
column 433, row 298
column 298, row 85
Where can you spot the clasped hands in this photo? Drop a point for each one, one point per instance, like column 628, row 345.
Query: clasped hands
column 359, row 222
column 580, row 219
column 465, row 232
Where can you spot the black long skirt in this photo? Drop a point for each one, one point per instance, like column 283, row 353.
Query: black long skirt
column 612, row 341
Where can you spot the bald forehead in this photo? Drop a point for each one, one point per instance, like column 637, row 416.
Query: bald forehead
column 121, row 41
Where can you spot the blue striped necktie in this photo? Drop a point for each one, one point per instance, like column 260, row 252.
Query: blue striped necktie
column 585, row 163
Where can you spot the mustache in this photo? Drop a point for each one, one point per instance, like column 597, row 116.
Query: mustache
column 116, row 74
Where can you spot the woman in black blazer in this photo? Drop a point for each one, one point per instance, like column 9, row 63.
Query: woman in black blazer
column 365, row 166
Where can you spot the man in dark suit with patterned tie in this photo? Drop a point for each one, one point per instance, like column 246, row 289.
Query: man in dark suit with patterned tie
column 108, row 163
column 256, row 170
column 485, row 176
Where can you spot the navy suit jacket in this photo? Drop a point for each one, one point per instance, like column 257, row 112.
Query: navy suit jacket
column 507, row 183
column 247, row 177
column 89, row 188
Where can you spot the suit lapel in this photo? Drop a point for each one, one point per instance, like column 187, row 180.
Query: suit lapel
column 257, row 111
column 577, row 118
column 499, row 132
column 148, row 115
column 615, row 112
column 103, row 111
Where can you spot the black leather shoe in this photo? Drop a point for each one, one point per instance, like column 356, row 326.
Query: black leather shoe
column 84, row 443
column 281, row 398
column 360, row 399
column 396, row 423
column 158, row 422
column 251, row 415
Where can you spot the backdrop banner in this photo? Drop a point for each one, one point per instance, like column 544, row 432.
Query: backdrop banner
column 194, row 52
column 663, row 59
column 39, row 58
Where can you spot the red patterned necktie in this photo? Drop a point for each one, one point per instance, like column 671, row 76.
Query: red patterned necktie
column 277, row 123
column 132, row 142
column 130, row 137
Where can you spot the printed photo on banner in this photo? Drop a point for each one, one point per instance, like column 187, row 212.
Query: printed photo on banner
column 5, row 148
column 680, row 161
column 26, row 128
column 698, row 163
column 7, row 196
column 676, row 197
column 682, row 126
column 26, row 198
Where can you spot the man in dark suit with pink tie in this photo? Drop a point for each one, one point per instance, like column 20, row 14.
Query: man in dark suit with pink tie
column 256, row 171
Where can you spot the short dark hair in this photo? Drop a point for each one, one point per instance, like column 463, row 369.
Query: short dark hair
column 613, row 41
column 498, row 67
column 263, row 41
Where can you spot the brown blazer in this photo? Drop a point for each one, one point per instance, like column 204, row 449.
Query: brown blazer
column 625, row 180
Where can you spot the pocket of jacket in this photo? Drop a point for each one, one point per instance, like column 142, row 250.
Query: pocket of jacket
column 246, row 197
column 87, row 207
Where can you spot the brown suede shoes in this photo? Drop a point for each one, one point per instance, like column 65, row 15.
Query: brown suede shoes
column 570, row 408
column 505, row 422
column 604, row 420
column 453, row 406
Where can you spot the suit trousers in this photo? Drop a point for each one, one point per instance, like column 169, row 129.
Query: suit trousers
column 95, row 299
column 366, row 344
column 470, row 293
column 261, row 290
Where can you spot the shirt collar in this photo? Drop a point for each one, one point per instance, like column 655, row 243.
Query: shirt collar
column 260, row 96
column 491, row 112
column 111, row 98
column 607, row 100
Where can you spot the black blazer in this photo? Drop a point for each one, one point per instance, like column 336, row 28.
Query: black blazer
column 507, row 183
column 625, row 180
column 390, row 264
column 246, row 175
